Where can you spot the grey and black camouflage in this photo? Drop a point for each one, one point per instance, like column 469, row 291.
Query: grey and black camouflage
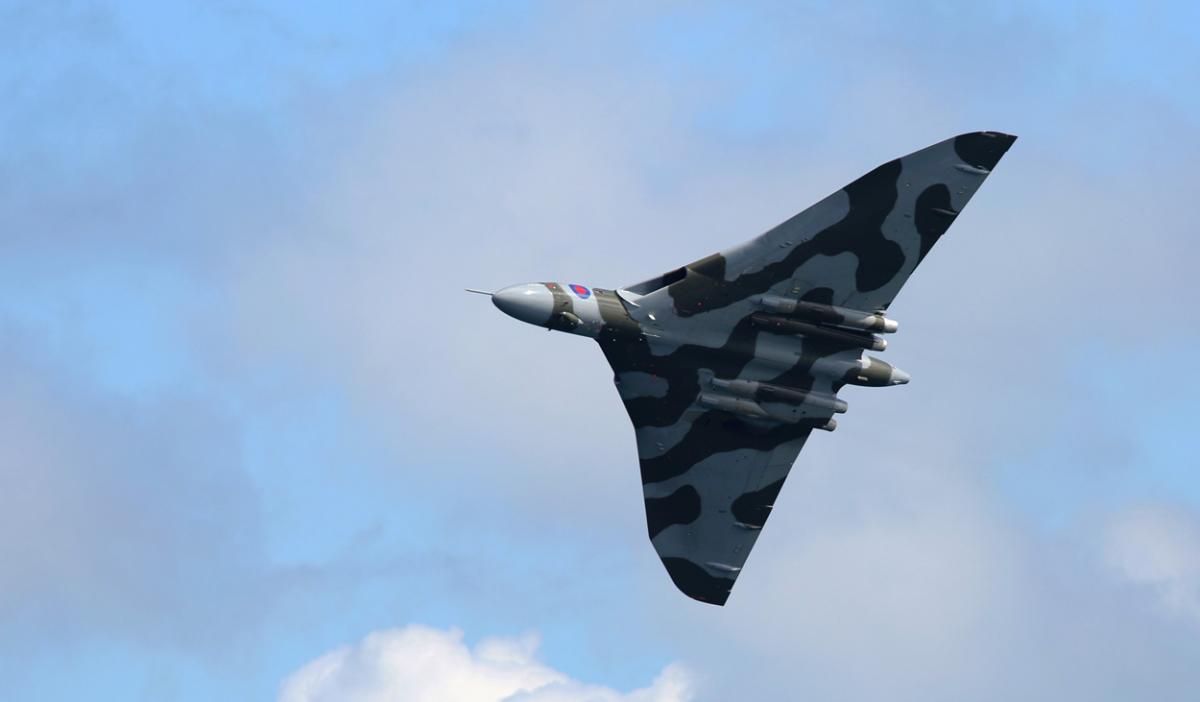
column 726, row 365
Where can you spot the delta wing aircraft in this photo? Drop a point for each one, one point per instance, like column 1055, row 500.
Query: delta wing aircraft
column 727, row 364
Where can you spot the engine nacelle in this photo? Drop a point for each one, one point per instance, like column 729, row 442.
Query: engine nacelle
column 785, row 325
column 830, row 314
column 765, row 392
column 733, row 405
column 750, row 408
column 872, row 372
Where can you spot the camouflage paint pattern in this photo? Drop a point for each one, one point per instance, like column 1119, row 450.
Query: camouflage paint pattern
column 725, row 366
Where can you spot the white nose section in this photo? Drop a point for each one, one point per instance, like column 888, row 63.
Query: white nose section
column 899, row 377
column 530, row 302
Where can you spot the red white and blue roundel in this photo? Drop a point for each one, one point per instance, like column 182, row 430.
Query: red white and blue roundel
column 582, row 292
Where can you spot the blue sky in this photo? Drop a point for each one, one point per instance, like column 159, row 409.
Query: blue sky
column 251, row 418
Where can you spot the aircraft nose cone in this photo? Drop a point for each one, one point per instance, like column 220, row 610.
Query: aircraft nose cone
column 531, row 302
column 899, row 377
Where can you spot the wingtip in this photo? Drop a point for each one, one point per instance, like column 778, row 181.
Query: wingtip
column 697, row 583
column 989, row 134
column 982, row 149
column 1004, row 137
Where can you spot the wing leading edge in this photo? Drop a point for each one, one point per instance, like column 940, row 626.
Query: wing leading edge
column 714, row 454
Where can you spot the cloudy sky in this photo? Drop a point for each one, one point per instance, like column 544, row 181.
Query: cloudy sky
column 255, row 443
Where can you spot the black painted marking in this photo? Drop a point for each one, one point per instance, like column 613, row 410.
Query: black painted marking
column 680, row 507
column 753, row 508
column 820, row 296
column 931, row 218
column 982, row 149
column 696, row 582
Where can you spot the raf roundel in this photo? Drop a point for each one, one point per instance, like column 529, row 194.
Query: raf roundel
column 581, row 291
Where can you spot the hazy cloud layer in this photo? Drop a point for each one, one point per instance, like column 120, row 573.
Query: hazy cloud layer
column 120, row 517
column 247, row 388
column 1159, row 548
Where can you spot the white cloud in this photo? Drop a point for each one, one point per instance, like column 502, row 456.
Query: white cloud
column 1159, row 548
column 422, row 664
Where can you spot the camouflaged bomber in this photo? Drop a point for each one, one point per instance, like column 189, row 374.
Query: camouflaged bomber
column 726, row 365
